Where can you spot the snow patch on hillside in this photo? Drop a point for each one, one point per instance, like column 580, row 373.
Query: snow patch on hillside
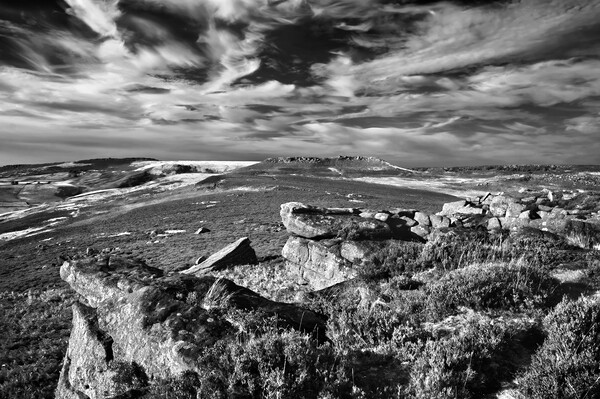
column 160, row 167
column 444, row 185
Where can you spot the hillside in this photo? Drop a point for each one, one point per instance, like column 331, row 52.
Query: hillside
column 345, row 166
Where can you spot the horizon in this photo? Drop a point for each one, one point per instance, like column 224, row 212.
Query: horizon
column 439, row 83
column 150, row 159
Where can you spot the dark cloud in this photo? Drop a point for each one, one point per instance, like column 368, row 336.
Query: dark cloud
column 147, row 89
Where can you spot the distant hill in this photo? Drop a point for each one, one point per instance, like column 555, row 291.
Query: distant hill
column 346, row 166
column 57, row 167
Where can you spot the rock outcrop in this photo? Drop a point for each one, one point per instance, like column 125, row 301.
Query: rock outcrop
column 135, row 326
column 311, row 221
column 237, row 253
column 545, row 210
column 329, row 245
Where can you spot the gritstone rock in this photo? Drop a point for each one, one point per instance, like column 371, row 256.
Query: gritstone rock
column 460, row 208
column 237, row 253
column 137, row 326
column 422, row 219
column 308, row 221
column 317, row 262
column 320, row 223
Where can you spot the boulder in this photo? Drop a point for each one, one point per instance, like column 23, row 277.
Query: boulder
column 494, row 224
column 514, row 209
column 473, row 221
column 325, row 223
column 460, row 208
column 367, row 214
column 202, row 230
column 382, row 216
column 137, row 326
column 499, row 205
column 422, row 219
column 309, row 221
column 558, row 213
column 421, row 231
column 237, row 253
column 439, row 222
column 409, row 222
column 319, row 263
column 526, row 215
column 543, row 214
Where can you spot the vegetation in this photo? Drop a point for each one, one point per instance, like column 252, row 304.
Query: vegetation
column 567, row 364
column 469, row 363
column 514, row 286
column 34, row 328
column 468, row 328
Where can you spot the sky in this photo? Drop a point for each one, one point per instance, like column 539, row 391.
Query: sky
column 417, row 83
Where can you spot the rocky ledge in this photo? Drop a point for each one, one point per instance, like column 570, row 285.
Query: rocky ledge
column 328, row 246
column 135, row 326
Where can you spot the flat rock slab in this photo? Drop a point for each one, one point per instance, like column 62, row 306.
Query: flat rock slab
column 237, row 253
column 322, row 223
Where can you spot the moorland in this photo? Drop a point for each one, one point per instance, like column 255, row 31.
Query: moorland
column 464, row 309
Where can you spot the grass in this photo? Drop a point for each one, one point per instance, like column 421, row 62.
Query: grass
column 34, row 328
column 217, row 296
column 584, row 241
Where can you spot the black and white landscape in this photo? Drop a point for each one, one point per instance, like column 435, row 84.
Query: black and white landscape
column 176, row 220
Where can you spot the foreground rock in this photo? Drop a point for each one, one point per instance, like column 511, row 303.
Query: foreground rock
column 136, row 326
column 237, row 253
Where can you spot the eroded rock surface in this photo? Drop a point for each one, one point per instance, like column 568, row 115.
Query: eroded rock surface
column 317, row 262
column 328, row 245
column 136, row 325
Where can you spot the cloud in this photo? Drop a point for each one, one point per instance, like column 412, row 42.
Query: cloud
column 453, row 37
column 589, row 124
column 435, row 82
column 98, row 15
